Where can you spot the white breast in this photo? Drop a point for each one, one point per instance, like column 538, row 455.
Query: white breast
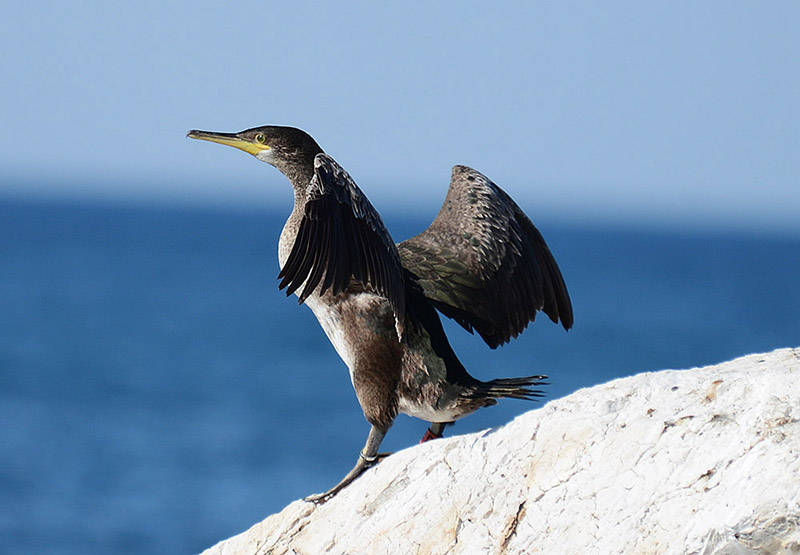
column 331, row 323
column 426, row 412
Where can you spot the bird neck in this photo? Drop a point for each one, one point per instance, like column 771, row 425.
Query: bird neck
column 299, row 175
column 292, row 225
column 299, row 171
column 298, row 167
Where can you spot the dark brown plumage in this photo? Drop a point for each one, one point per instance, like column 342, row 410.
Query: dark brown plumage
column 484, row 264
column 481, row 262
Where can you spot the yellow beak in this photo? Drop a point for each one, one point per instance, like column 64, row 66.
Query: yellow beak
column 230, row 139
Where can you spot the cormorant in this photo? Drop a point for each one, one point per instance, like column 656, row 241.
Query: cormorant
column 481, row 262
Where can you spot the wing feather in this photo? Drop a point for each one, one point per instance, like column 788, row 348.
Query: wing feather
column 483, row 263
column 342, row 238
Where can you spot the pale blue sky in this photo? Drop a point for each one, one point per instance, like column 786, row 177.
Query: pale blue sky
column 651, row 111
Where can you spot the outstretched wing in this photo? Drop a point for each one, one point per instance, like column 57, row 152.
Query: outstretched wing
column 342, row 238
column 484, row 264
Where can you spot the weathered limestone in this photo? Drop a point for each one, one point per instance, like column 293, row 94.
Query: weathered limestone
column 695, row 461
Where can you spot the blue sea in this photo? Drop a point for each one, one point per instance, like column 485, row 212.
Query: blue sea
column 159, row 394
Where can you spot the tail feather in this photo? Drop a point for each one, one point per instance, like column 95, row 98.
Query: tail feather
column 512, row 388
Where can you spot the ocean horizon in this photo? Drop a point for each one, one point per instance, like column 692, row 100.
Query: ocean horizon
column 159, row 394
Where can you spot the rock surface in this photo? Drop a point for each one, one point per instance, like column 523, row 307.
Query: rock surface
column 694, row 461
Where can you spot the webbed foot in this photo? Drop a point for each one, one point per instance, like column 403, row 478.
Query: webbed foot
column 368, row 457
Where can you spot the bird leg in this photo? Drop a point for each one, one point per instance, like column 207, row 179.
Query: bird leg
column 368, row 457
column 435, row 431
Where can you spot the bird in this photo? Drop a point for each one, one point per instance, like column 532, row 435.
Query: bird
column 481, row 262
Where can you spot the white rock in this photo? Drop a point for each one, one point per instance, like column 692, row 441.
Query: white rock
column 695, row 461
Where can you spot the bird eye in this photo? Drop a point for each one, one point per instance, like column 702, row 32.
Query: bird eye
column 261, row 138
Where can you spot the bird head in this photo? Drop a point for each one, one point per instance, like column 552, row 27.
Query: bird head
column 289, row 149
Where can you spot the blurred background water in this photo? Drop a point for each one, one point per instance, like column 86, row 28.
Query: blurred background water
column 159, row 394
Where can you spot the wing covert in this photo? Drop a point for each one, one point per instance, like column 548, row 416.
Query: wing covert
column 483, row 263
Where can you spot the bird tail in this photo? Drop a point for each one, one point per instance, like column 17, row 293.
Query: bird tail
column 512, row 388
